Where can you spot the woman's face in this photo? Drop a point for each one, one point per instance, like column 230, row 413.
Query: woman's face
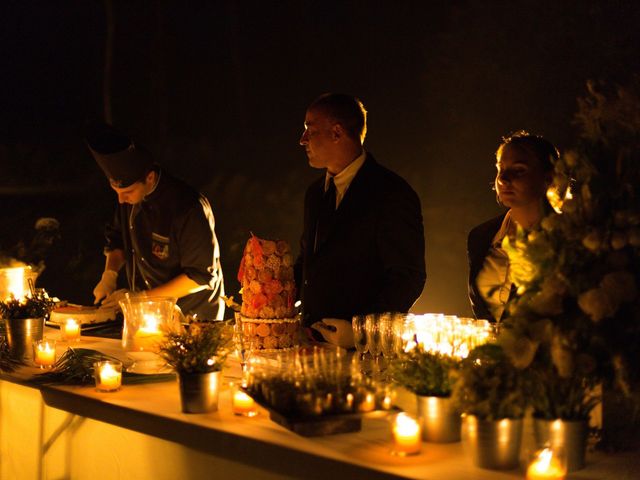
column 520, row 179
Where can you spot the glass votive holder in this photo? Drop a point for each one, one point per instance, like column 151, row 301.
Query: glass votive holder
column 108, row 375
column 407, row 435
column 44, row 353
column 241, row 403
column 547, row 464
column 70, row 330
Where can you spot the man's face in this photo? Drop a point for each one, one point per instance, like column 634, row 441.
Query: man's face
column 318, row 138
column 135, row 193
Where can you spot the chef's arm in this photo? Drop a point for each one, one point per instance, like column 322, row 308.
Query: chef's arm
column 115, row 260
column 177, row 287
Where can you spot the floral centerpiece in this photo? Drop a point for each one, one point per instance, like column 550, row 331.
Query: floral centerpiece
column 577, row 318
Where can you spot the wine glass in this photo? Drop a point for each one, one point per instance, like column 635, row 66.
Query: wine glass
column 360, row 335
column 372, row 328
column 240, row 343
column 385, row 323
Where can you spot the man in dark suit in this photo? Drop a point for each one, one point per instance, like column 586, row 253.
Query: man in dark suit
column 362, row 249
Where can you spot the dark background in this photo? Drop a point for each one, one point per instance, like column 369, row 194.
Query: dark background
column 217, row 90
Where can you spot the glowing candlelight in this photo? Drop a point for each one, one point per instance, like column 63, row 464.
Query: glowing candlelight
column 546, row 466
column 243, row 404
column 148, row 335
column 45, row 353
column 368, row 403
column 406, row 435
column 108, row 376
column 70, row 330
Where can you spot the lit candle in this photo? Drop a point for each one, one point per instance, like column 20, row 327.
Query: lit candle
column 45, row 353
column 148, row 335
column 70, row 330
column 546, row 466
column 243, row 404
column 108, row 376
column 406, row 435
column 368, row 403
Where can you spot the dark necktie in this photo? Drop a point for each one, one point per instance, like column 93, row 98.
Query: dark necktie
column 326, row 213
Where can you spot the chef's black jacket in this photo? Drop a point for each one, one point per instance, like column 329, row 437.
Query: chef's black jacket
column 169, row 233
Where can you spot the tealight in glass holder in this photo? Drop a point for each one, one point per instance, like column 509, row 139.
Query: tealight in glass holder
column 407, row 435
column 108, row 375
column 548, row 464
column 44, row 353
column 70, row 330
column 146, row 321
column 241, row 403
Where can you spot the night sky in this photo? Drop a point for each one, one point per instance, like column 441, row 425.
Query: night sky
column 217, row 91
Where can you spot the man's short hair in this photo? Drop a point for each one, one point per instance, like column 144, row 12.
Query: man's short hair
column 346, row 110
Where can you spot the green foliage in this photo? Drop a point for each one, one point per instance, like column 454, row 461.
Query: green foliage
column 579, row 274
column 75, row 367
column 36, row 306
column 490, row 386
column 555, row 397
column 7, row 362
column 202, row 347
column 425, row 373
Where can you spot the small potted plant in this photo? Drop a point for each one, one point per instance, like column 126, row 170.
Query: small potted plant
column 491, row 392
column 24, row 321
column 561, row 409
column 431, row 376
column 197, row 353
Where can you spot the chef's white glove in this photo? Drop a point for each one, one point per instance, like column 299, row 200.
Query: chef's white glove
column 113, row 300
column 106, row 286
column 335, row 331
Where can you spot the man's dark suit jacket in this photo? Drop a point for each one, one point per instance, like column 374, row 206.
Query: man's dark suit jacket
column 372, row 258
column 478, row 245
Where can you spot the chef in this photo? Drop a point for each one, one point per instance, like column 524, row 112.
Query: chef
column 162, row 231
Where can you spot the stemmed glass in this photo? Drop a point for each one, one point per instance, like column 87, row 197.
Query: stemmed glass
column 358, row 323
column 372, row 329
column 385, row 323
column 240, row 344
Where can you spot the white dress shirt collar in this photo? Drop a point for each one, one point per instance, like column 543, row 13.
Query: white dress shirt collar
column 345, row 177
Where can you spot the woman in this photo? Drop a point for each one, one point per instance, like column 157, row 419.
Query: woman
column 524, row 165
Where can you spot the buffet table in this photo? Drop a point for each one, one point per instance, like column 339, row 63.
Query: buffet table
column 58, row 432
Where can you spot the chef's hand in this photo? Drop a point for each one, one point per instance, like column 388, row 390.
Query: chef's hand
column 335, row 331
column 113, row 300
column 106, row 286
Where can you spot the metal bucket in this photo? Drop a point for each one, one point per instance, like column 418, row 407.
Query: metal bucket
column 21, row 333
column 570, row 436
column 441, row 422
column 493, row 444
column 199, row 392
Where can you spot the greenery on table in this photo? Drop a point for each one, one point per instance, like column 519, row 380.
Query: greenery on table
column 490, row 386
column 425, row 373
column 75, row 367
column 200, row 347
column 554, row 397
column 35, row 306
column 7, row 362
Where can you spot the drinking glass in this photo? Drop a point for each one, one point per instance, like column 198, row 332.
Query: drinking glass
column 386, row 334
column 358, row 324
column 372, row 328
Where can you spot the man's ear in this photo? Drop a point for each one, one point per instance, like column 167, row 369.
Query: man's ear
column 150, row 178
column 337, row 132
